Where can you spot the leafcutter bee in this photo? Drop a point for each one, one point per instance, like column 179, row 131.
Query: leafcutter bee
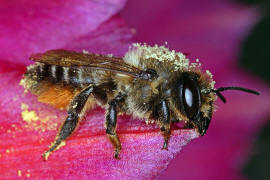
column 151, row 83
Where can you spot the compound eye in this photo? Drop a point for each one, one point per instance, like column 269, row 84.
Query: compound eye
column 190, row 99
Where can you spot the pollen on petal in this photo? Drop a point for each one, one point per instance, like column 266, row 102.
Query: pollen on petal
column 37, row 121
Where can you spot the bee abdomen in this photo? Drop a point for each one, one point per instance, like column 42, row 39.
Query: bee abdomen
column 57, row 74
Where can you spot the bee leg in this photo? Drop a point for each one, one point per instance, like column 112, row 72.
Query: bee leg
column 110, row 125
column 188, row 125
column 74, row 114
column 165, row 122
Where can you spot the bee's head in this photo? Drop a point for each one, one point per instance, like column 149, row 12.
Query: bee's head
column 194, row 98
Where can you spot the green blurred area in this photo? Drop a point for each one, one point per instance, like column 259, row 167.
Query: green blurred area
column 258, row 166
column 255, row 56
column 264, row 3
column 255, row 53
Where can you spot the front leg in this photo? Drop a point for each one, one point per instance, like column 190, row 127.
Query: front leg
column 165, row 122
column 110, row 124
column 74, row 114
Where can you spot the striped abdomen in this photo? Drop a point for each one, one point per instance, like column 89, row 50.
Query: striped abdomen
column 57, row 74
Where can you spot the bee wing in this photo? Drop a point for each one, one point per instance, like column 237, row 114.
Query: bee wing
column 95, row 61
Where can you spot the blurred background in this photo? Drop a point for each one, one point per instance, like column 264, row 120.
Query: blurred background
column 230, row 38
column 257, row 46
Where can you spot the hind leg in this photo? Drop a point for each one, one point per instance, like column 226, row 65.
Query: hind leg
column 75, row 112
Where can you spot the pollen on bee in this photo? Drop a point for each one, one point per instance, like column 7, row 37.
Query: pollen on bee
column 24, row 84
column 109, row 55
column 212, row 84
column 85, row 51
column 48, row 153
column 74, row 106
column 63, row 143
column 140, row 52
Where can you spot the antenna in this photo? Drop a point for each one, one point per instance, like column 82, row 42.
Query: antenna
column 217, row 91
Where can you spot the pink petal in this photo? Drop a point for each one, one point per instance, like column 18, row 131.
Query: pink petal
column 120, row 37
column 28, row 27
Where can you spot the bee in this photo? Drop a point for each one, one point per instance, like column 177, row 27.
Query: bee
column 152, row 83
